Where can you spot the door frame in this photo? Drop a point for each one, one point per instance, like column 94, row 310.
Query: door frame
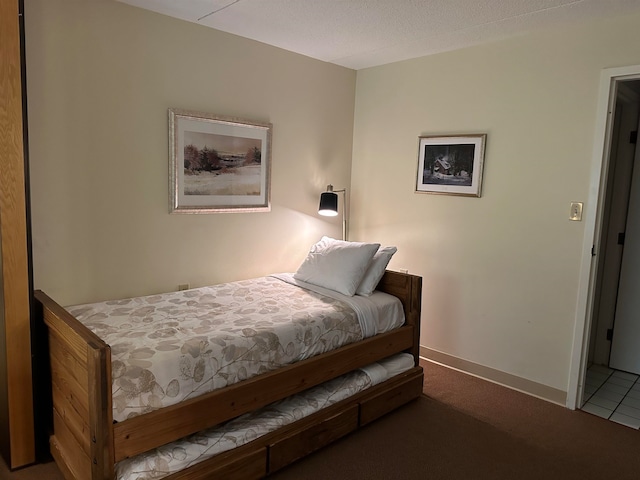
column 593, row 212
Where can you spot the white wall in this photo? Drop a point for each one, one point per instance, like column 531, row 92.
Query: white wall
column 101, row 76
column 501, row 271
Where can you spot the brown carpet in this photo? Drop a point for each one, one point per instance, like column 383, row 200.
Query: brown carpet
column 464, row 428
column 467, row 428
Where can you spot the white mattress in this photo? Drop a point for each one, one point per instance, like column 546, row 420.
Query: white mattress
column 176, row 456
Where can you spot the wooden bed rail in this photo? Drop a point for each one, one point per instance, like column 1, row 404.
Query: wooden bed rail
column 143, row 432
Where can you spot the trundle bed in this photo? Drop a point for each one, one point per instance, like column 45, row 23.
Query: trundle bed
column 88, row 443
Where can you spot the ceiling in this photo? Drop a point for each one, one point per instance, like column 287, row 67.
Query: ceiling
column 365, row 33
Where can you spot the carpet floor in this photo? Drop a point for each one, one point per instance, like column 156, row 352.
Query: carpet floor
column 464, row 428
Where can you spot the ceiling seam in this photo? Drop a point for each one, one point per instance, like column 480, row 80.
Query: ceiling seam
column 218, row 10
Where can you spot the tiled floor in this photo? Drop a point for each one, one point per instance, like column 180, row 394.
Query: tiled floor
column 613, row 394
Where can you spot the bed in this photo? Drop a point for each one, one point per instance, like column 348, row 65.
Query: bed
column 87, row 443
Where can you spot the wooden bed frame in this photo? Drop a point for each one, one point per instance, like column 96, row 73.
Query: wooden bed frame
column 86, row 443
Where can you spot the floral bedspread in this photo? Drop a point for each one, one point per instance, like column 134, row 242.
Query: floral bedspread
column 171, row 347
column 171, row 458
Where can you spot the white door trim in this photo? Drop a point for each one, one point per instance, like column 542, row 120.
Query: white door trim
column 593, row 224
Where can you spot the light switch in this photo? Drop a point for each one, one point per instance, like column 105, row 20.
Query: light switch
column 576, row 211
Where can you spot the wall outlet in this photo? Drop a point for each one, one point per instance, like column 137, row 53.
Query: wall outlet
column 183, row 286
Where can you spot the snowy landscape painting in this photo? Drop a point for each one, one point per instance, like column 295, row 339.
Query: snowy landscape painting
column 450, row 164
column 218, row 164
column 221, row 164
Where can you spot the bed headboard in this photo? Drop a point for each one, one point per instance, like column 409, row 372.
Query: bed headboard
column 408, row 288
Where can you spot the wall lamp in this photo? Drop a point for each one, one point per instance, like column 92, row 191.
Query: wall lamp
column 329, row 206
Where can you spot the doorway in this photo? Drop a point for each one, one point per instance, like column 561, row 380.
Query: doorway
column 605, row 225
column 612, row 329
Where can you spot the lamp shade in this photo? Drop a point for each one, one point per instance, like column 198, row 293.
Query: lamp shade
column 328, row 204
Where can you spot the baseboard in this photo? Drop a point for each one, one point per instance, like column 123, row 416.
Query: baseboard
column 496, row 376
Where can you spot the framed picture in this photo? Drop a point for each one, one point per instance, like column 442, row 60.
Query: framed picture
column 218, row 164
column 450, row 164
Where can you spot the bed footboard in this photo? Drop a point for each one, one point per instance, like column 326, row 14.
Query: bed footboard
column 81, row 437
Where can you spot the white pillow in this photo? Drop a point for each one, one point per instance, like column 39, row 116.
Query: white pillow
column 336, row 265
column 375, row 270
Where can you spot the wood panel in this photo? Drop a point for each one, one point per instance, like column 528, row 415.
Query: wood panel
column 70, row 386
column 305, row 441
column 76, row 423
column 391, row 398
column 100, row 413
column 74, row 333
column 13, row 239
column 404, row 286
column 408, row 288
column 64, row 363
column 244, row 463
column 69, row 450
column 56, row 453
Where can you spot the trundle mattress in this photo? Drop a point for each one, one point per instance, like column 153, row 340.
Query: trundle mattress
column 176, row 456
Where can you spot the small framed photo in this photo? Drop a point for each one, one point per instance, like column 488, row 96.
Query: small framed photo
column 451, row 164
column 218, row 164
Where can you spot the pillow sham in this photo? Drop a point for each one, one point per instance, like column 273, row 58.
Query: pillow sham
column 376, row 269
column 336, row 264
